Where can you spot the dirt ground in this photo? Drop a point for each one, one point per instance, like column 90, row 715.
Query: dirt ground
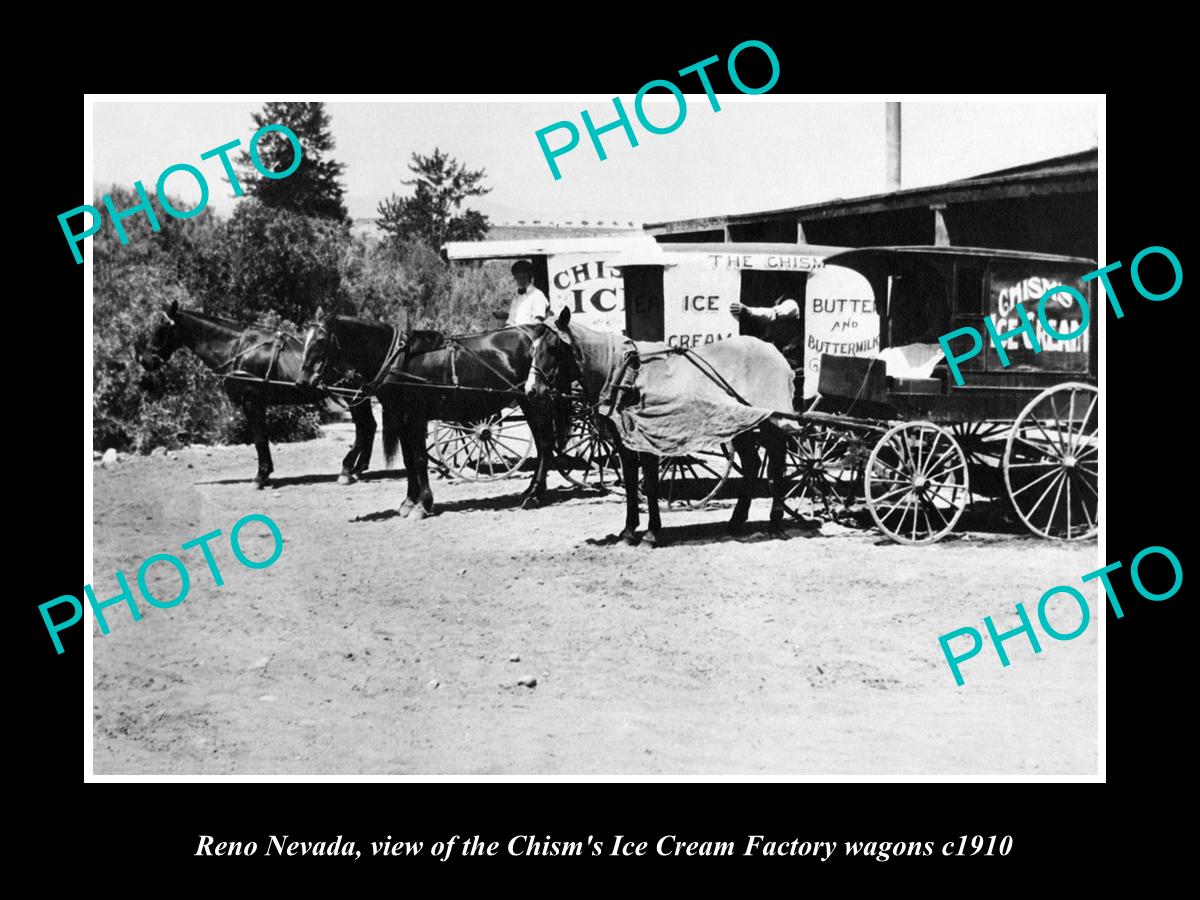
column 376, row 645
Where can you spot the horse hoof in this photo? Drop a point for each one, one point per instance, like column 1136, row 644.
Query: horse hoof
column 417, row 514
column 346, row 479
column 650, row 539
column 531, row 501
column 629, row 539
column 259, row 484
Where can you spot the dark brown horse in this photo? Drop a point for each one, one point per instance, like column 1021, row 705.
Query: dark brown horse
column 426, row 377
column 598, row 360
column 267, row 364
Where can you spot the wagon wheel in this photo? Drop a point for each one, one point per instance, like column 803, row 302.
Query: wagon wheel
column 487, row 449
column 983, row 442
column 432, row 450
column 917, row 483
column 1051, row 462
column 693, row 480
column 821, row 469
column 588, row 458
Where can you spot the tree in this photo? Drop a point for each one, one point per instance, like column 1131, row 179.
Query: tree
column 314, row 188
column 432, row 214
column 276, row 260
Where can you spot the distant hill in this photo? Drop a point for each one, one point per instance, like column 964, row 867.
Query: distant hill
column 366, row 228
column 573, row 223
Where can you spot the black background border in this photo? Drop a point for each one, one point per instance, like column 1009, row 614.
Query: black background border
column 1148, row 405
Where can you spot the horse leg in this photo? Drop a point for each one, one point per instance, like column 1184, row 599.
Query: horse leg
column 410, row 469
column 651, row 538
column 747, row 451
column 420, row 455
column 347, row 473
column 256, row 418
column 543, row 440
column 776, row 446
column 629, row 469
column 359, row 457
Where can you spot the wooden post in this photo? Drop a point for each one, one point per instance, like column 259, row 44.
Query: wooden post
column 892, row 115
column 941, row 235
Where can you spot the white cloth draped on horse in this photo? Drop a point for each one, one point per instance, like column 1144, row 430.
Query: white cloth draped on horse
column 688, row 401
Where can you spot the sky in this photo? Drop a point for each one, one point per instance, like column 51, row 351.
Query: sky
column 756, row 153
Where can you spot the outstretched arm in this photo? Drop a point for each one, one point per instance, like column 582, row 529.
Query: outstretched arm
column 786, row 308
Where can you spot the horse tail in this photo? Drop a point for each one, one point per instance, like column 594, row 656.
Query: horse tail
column 392, row 426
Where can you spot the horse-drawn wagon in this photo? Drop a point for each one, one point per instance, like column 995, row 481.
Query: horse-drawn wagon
column 682, row 295
column 881, row 419
column 1026, row 433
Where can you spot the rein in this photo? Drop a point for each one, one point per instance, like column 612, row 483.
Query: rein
column 617, row 383
column 455, row 346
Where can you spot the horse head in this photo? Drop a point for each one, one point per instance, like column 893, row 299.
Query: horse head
column 320, row 345
column 553, row 363
column 164, row 339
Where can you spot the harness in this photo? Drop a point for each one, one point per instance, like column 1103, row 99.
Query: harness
column 278, row 343
column 620, row 388
column 454, row 345
column 398, row 345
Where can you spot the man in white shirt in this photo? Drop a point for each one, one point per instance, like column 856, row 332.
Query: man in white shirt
column 529, row 305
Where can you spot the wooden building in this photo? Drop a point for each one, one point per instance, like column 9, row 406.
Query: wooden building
column 1049, row 206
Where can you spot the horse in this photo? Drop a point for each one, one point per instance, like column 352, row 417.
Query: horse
column 270, row 364
column 602, row 362
column 424, row 376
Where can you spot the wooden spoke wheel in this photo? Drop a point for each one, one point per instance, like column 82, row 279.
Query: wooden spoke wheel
column 917, row 483
column 692, row 481
column 983, row 442
column 1051, row 463
column 485, row 450
column 822, row 468
column 432, row 449
column 588, row 458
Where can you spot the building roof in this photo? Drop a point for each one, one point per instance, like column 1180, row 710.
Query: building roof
column 672, row 253
column 1073, row 173
column 954, row 253
column 545, row 246
column 656, row 254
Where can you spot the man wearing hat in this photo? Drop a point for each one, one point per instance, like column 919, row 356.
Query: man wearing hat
column 529, row 305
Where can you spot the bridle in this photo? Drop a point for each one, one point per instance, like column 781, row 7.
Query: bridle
column 566, row 338
column 160, row 355
column 320, row 331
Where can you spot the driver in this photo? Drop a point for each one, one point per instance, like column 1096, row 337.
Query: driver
column 529, row 305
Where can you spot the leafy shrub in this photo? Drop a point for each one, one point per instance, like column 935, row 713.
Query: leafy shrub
column 284, row 423
column 181, row 403
column 272, row 266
